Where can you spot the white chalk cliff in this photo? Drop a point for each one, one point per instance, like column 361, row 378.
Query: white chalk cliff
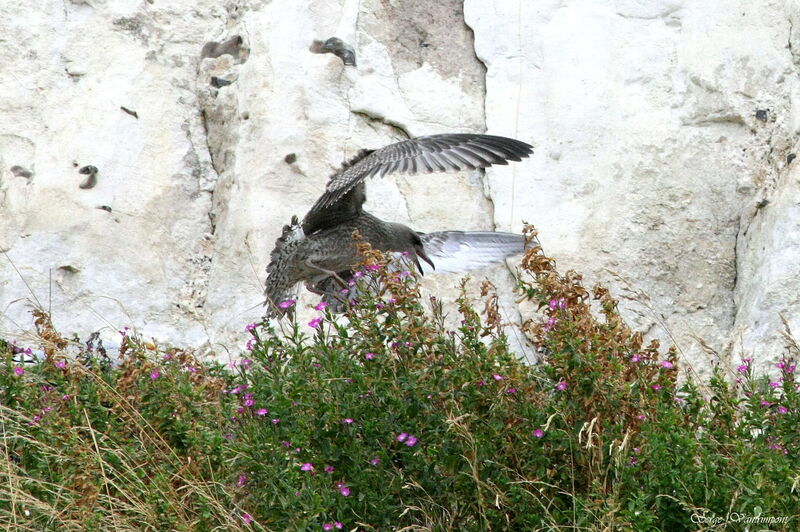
column 664, row 134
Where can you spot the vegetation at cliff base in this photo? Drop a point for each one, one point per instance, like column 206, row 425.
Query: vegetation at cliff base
column 385, row 419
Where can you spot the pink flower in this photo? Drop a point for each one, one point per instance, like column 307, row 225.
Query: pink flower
column 275, row 421
column 765, row 403
column 155, row 374
column 242, row 480
column 327, row 526
column 782, row 410
column 561, row 386
column 308, row 466
column 288, row 303
column 635, row 358
column 402, row 437
column 250, row 327
column 411, row 441
column 538, row 433
column 497, row 377
column 369, row 356
column 511, row 391
column 775, row 384
column 656, row 387
column 247, row 518
column 250, row 344
column 666, row 364
column 338, row 525
column 347, row 421
column 375, row 461
column 322, row 305
column 742, row 369
column 65, row 397
column 329, row 469
column 262, row 412
column 61, row 364
column 315, row 322
column 640, row 417
column 343, row 489
column 245, row 363
column 19, row 371
column 551, row 322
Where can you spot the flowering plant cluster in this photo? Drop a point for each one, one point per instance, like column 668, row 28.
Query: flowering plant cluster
column 98, row 445
column 398, row 416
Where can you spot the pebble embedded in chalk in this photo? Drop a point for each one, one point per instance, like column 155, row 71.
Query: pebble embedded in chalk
column 91, row 176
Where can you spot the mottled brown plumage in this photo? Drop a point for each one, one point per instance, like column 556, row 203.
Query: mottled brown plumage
column 322, row 249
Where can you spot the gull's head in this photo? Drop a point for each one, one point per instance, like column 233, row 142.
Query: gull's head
column 407, row 240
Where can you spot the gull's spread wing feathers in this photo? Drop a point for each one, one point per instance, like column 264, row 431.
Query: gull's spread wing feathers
column 433, row 153
column 459, row 251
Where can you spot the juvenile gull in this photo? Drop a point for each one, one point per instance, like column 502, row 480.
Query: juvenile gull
column 321, row 251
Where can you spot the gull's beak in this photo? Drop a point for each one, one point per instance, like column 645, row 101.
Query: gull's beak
column 419, row 253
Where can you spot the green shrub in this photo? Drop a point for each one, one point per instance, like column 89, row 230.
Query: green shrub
column 91, row 447
column 386, row 420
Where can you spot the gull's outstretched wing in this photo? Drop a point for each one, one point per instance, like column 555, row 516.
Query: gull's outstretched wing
column 280, row 275
column 347, row 208
column 459, row 251
column 450, row 251
column 433, row 153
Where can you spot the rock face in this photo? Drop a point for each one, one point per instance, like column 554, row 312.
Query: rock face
column 664, row 139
